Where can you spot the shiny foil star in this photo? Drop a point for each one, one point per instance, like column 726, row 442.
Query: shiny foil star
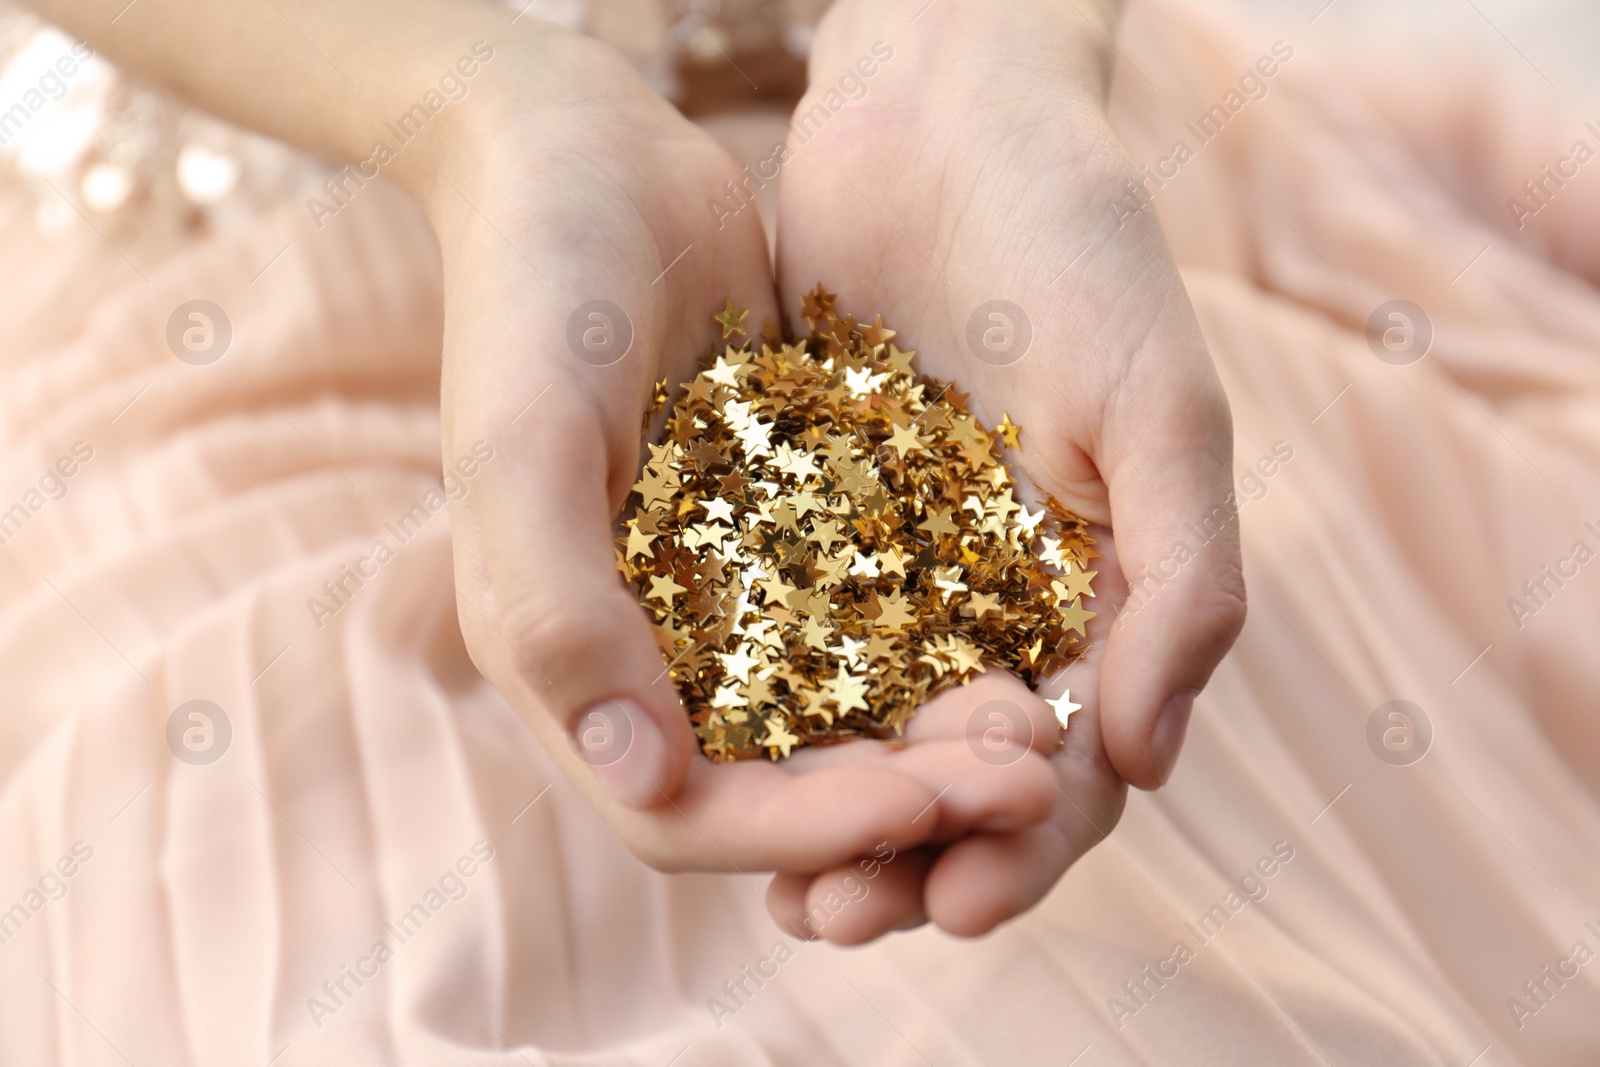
column 731, row 320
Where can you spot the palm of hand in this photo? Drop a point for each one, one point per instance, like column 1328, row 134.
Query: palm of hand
column 990, row 230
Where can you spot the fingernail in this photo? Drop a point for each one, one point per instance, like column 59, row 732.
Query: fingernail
column 1167, row 741
column 624, row 746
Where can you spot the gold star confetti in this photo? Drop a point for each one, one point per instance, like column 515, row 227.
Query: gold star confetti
column 816, row 306
column 825, row 541
column 663, row 588
column 1064, row 707
column 731, row 319
column 1009, row 432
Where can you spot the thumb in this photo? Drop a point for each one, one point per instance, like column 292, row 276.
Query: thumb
column 1175, row 521
column 553, row 624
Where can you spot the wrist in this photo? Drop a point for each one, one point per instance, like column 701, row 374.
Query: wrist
column 545, row 95
column 971, row 43
column 455, row 103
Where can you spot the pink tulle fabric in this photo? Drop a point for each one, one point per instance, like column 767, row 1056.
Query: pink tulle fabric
column 211, row 908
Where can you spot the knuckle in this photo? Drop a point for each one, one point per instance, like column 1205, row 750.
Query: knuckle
column 550, row 640
column 1224, row 604
column 651, row 847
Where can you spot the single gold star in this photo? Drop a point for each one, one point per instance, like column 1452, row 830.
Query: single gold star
column 846, row 691
column 1053, row 553
column 963, row 655
column 816, row 704
column 816, row 633
column 825, row 534
column 638, row 542
column 1028, row 521
column 850, row 649
column 723, row 373
column 876, row 334
column 1064, row 707
column 732, row 319
column 777, row 590
column 1076, row 583
column 864, row 566
column 657, row 487
column 863, row 382
column 984, row 603
column 905, row 439
column 777, row 736
column 805, row 503
column 895, row 613
column 1073, row 617
column 718, row 510
column 1009, row 432
column 664, row 589
column 880, row 647
column 938, row 522
column 948, row 579
column 728, row 696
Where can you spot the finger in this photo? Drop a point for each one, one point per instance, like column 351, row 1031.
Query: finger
column 970, row 749
column 756, row 816
column 986, row 879
column 847, row 907
column 1166, row 454
column 870, row 898
column 995, row 713
column 786, row 903
column 983, row 880
column 565, row 637
column 565, row 632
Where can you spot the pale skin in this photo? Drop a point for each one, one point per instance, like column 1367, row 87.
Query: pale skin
column 979, row 165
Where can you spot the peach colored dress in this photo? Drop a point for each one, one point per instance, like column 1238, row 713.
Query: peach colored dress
column 1322, row 883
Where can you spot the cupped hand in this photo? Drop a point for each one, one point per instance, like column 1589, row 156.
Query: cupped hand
column 966, row 193
column 582, row 267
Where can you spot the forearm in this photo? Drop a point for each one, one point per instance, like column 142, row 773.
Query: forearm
column 326, row 76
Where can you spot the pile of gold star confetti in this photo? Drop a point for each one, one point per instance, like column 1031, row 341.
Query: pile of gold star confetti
column 826, row 540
